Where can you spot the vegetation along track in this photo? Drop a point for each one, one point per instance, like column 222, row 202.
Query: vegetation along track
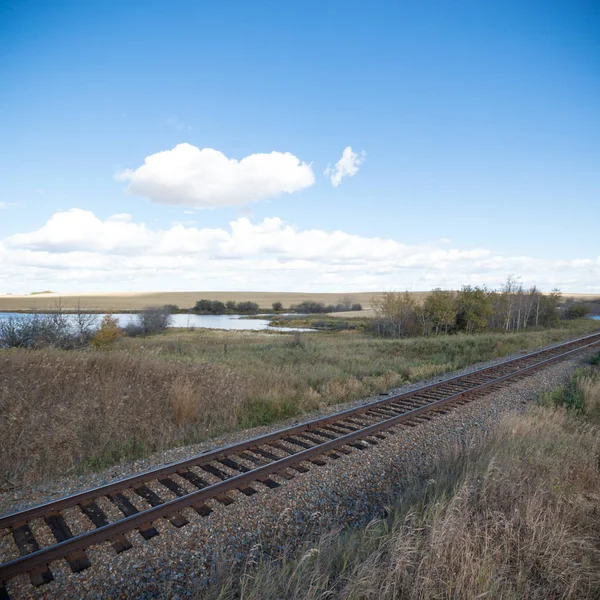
column 218, row 475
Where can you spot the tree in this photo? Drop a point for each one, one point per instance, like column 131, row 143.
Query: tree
column 510, row 292
column 345, row 303
column 396, row 313
column 277, row 306
column 439, row 310
column 108, row 334
column 472, row 306
column 546, row 310
column 84, row 324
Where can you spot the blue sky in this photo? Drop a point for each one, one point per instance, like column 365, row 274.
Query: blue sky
column 479, row 123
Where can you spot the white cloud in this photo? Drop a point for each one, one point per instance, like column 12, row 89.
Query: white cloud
column 347, row 166
column 206, row 178
column 75, row 250
column 5, row 205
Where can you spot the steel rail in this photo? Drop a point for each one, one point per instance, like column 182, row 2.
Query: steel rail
column 207, row 457
column 45, row 556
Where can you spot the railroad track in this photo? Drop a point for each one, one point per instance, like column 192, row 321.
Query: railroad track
column 135, row 503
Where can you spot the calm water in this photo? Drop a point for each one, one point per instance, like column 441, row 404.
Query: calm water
column 234, row 322
column 596, row 317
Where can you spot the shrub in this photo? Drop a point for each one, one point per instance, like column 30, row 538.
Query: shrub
column 311, row 307
column 108, row 333
column 133, row 329
column 247, row 308
column 210, row 307
column 576, row 311
column 44, row 331
column 308, row 307
column 154, row 319
column 277, row 306
column 230, row 305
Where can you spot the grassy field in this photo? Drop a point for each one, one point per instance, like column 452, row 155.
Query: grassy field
column 71, row 411
column 517, row 517
column 139, row 300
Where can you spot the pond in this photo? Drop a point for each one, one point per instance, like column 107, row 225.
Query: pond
column 595, row 317
column 232, row 322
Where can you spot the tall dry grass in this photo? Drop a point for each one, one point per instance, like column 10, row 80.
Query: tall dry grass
column 63, row 412
column 67, row 412
column 517, row 518
column 590, row 391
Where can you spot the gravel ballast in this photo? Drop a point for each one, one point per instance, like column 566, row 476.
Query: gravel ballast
column 351, row 490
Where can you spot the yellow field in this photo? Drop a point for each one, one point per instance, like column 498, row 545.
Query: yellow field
column 117, row 301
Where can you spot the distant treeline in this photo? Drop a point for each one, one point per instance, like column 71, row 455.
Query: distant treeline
column 216, row 307
column 472, row 309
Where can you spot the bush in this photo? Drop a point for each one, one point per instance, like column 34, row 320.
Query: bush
column 230, row 305
column 45, row 331
column 154, row 319
column 133, row 329
column 108, row 333
column 576, row 311
column 210, row 307
column 277, row 306
column 309, row 307
column 247, row 308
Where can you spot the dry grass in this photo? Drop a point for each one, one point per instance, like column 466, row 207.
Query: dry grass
column 70, row 411
column 63, row 412
column 590, row 390
column 517, row 518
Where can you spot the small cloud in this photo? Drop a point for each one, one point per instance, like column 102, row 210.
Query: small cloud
column 347, row 166
column 5, row 205
column 177, row 124
column 445, row 241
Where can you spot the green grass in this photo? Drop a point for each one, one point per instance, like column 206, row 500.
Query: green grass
column 582, row 392
column 130, row 450
column 288, row 374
